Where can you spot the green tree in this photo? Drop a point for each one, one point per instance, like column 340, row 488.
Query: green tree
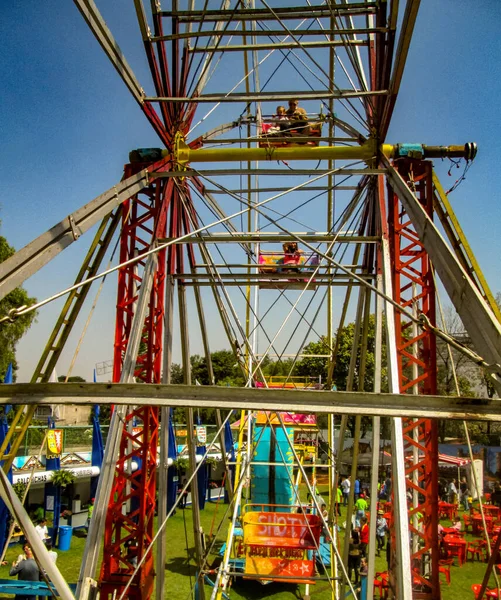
column 71, row 379
column 226, row 372
column 315, row 367
column 11, row 333
column 224, row 365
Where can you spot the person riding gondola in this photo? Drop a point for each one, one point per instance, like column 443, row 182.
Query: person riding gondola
column 298, row 118
column 292, row 257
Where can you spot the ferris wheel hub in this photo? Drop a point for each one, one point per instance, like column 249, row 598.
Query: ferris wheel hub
column 181, row 150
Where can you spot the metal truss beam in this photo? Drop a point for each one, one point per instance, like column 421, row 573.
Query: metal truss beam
column 140, row 292
column 30, row 259
column 276, row 237
column 266, row 190
column 264, row 33
column 414, row 288
column 281, row 45
column 268, row 97
column 348, row 403
column 274, row 172
column 273, row 284
column 266, row 276
column 103, row 35
column 475, row 313
column 263, row 14
column 406, row 30
column 458, row 241
column 94, row 20
column 367, row 151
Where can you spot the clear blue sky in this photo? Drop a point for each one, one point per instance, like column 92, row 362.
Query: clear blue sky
column 68, row 123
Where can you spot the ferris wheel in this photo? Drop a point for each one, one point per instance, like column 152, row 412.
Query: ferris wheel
column 272, row 213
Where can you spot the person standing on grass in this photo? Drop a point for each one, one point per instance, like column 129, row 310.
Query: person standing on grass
column 42, row 530
column 453, row 492
column 381, row 528
column 360, row 507
column 354, row 555
column 90, row 510
column 465, row 492
column 26, row 570
column 346, row 485
column 387, row 487
column 364, row 536
column 339, row 498
column 357, row 488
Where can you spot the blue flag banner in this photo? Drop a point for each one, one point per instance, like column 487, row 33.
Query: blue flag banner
column 4, row 427
column 172, row 475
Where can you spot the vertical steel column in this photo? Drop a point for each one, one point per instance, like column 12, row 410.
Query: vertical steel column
column 129, row 522
column 414, row 290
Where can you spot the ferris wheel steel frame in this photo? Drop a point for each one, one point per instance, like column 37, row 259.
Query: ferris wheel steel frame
column 414, row 288
column 144, row 221
column 412, row 237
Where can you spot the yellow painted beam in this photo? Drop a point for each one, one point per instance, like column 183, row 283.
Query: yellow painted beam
column 461, row 246
column 369, row 151
column 184, row 154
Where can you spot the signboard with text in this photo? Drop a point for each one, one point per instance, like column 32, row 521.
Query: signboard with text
column 287, row 418
column 277, row 545
column 201, row 434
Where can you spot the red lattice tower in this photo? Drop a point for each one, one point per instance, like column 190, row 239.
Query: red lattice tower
column 129, row 532
column 414, row 290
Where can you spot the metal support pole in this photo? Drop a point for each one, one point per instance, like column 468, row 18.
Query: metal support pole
column 402, row 569
column 107, row 476
column 349, row 386
column 376, row 421
column 197, row 528
column 164, row 442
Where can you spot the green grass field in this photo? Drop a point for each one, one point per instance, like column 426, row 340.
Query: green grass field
column 180, row 564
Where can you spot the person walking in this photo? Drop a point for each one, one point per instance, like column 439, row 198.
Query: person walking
column 354, row 555
column 27, row 570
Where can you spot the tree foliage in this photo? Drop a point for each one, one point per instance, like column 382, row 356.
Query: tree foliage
column 11, row 333
column 226, row 371
column 315, row 366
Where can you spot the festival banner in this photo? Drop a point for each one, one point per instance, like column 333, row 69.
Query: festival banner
column 201, row 434
column 287, row 419
column 278, row 545
column 54, row 443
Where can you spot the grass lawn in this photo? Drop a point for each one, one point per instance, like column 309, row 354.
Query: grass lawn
column 180, row 564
